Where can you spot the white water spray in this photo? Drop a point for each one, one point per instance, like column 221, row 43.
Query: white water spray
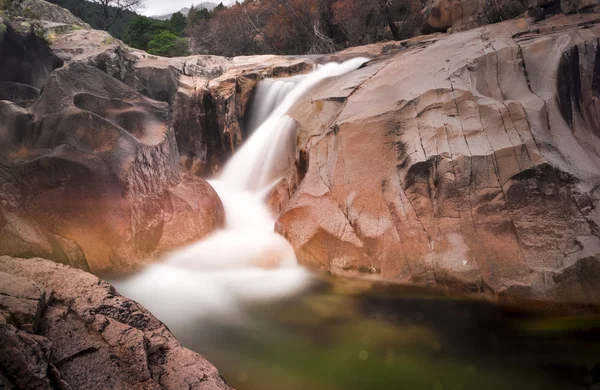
column 247, row 260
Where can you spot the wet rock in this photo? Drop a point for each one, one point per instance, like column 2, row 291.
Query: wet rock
column 232, row 92
column 196, row 127
column 456, row 162
column 209, row 95
column 62, row 328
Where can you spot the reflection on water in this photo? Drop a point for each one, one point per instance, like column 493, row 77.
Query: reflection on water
column 354, row 335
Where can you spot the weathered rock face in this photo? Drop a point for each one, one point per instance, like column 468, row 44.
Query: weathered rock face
column 91, row 176
column 62, row 328
column 44, row 11
column 472, row 160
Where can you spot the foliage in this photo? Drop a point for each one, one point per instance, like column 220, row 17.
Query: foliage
column 108, row 41
column 196, row 15
column 228, row 31
column 298, row 26
column 50, row 37
column 158, row 37
column 142, row 30
column 301, row 26
column 358, row 19
column 88, row 12
column 178, row 23
column 110, row 11
column 256, row 26
column 167, row 44
column 5, row 4
column 219, row 8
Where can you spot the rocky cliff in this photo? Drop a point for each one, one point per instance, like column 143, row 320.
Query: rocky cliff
column 469, row 159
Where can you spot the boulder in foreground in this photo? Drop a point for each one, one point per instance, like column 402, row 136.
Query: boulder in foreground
column 62, row 328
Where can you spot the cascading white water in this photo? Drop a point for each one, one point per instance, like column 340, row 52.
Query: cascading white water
column 247, row 260
column 268, row 95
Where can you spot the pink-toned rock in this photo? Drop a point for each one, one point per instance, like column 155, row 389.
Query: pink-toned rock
column 91, row 176
column 472, row 160
column 209, row 95
column 64, row 328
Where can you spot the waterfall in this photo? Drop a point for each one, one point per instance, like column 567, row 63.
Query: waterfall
column 268, row 95
column 247, row 260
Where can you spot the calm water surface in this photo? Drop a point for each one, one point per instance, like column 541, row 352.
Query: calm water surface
column 348, row 334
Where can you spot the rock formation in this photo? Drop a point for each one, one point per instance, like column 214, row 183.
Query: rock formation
column 62, row 328
column 209, row 95
column 90, row 169
column 467, row 159
column 470, row 159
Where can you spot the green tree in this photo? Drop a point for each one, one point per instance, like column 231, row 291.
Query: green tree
column 219, row 8
column 195, row 15
column 167, row 44
column 178, row 23
column 141, row 31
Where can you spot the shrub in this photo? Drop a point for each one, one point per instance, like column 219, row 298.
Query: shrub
column 167, row 44
column 5, row 4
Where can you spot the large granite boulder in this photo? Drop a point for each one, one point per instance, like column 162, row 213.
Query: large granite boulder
column 470, row 160
column 44, row 12
column 61, row 328
column 91, row 175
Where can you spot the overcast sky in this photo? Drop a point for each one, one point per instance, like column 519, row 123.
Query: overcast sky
column 161, row 7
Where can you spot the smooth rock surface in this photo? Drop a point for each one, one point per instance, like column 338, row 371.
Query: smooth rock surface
column 472, row 160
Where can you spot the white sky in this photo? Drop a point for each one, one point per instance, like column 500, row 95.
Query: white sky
column 161, row 7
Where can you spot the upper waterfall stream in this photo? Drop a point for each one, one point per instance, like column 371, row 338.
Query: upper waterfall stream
column 247, row 260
